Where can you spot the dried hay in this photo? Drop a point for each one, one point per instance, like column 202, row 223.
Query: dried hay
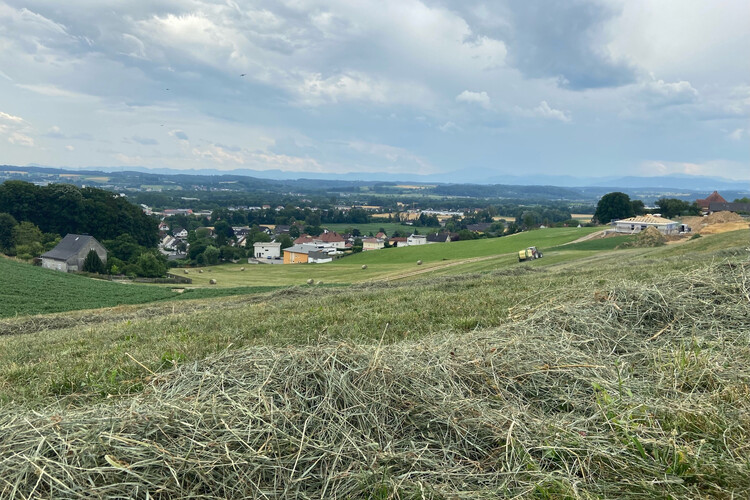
column 640, row 391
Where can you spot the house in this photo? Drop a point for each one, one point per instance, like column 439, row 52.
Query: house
column 398, row 241
column 299, row 254
column 372, row 244
column 329, row 239
column 479, row 228
column 70, row 253
column 439, row 238
column 381, row 235
column 416, row 239
column 639, row 223
column 180, row 233
column 705, row 203
column 163, row 226
column 319, row 257
column 267, row 250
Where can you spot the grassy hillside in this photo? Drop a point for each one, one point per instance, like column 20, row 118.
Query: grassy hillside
column 392, row 263
column 604, row 375
column 28, row 289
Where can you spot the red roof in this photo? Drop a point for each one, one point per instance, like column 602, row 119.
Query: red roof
column 714, row 197
column 330, row 237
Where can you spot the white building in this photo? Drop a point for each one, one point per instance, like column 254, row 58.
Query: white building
column 416, row 239
column 372, row 244
column 639, row 223
column 267, row 250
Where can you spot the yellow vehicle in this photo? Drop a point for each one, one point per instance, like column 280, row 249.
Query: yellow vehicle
column 530, row 253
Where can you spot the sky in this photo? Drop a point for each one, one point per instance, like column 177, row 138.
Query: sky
column 464, row 89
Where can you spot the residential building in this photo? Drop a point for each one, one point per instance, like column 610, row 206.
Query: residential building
column 267, row 250
column 705, row 203
column 416, row 239
column 372, row 244
column 641, row 222
column 299, row 254
column 439, row 238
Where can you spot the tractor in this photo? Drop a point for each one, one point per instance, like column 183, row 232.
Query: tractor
column 530, row 253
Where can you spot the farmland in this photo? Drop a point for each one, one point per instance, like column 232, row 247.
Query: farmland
column 641, row 372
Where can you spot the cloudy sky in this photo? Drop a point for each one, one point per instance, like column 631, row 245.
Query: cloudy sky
column 581, row 87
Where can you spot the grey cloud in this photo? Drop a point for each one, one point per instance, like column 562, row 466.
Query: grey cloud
column 179, row 134
column 565, row 40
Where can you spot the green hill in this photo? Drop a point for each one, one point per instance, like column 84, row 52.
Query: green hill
column 593, row 374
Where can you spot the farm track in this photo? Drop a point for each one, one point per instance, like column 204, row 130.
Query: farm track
column 426, row 270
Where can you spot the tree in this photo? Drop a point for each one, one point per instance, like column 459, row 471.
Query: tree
column 7, row 224
column 638, row 207
column 672, row 207
column 285, row 241
column 612, row 206
column 92, row 263
column 211, row 255
column 151, row 265
column 26, row 233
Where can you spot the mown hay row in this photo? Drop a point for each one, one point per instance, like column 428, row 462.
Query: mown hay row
column 639, row 391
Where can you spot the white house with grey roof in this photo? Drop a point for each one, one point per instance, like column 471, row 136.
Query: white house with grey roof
column 70, row 253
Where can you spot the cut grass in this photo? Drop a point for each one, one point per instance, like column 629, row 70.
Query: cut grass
column 564, row 382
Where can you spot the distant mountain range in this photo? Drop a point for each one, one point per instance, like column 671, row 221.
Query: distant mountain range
column 686, row 182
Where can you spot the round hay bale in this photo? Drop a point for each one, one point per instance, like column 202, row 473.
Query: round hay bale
column 186, row 271
column 419, row 262
column 242, row 269
column 310, row 281
column 212, row 281
column 364, row 266
column 319, row 283
column 200, row 270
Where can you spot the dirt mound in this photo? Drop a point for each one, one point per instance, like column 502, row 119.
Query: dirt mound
column 717, row 222
column 649, row 237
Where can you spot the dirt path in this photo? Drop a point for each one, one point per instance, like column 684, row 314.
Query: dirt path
column 591, row 236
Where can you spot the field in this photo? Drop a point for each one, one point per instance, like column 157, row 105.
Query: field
column 391, row 263
column 373, row 227
column 590, row 373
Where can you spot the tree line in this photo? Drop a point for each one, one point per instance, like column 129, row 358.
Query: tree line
column 34, row 218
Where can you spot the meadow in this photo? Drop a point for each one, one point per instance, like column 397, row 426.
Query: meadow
column 608, row 374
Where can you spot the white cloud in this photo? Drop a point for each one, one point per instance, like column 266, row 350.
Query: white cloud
column 544, row 110
column 739, row 134
column 70, row 148
column 5, row 117
column 449, row 126
column 20, row 139
column 479, row 98
column 715, row 168
column 663, row 93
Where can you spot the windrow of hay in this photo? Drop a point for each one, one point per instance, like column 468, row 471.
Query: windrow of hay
column 638, row 391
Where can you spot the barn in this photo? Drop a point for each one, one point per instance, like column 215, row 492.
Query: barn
column 70, row 253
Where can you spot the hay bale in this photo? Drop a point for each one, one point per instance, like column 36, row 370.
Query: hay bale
column 242, row 269
column 319, row 283
column 419, row 262
column 364, row 266
column 200, row 270
column 212, row 281
column 310, row 281
column 186, row 271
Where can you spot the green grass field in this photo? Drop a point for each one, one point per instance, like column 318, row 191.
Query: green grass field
column 590, row 373
column 374, row 227
column 387, row 264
